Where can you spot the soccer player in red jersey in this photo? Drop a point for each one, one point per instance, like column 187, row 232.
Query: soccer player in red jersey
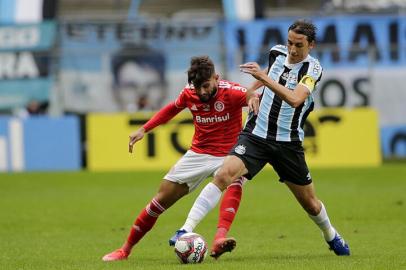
column 216, row 106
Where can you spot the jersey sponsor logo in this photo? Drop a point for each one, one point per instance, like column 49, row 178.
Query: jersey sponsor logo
column 240, row 149
column 206, row 107
column 212, row 119
column 219, row 106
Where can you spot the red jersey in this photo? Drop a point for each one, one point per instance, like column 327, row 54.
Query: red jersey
column 218, row 121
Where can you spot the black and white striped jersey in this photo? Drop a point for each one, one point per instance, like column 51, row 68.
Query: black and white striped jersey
column 277, row 120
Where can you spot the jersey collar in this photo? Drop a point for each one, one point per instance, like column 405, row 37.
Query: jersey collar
column 288, row 65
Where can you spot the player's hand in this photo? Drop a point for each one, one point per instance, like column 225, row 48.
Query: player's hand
column 253, row 69
column 253, row 104
column 135, row 137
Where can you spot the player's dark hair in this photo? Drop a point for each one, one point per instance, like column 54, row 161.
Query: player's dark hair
column 306, row 28
column 201, row 70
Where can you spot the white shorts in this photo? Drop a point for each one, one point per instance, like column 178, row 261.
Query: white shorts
column 193, row 168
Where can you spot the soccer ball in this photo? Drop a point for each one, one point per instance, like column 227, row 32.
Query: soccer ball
column 191, row 248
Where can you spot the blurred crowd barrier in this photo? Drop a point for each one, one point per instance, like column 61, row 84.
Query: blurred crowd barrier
column 110, row 67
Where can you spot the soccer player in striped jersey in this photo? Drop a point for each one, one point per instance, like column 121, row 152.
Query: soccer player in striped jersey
column 275, row 134
column 216, row 106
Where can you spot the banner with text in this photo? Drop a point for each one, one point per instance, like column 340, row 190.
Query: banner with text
column 25, row 62
column 334, row 138
column 363, row 57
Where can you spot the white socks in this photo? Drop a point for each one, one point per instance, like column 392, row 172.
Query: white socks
column 324, row 224
column 207, row 200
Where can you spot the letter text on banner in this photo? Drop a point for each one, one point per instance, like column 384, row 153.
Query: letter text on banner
column 107, row 140
column 334, row 138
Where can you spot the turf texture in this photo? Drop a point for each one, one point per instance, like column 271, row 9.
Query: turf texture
column 70, row 220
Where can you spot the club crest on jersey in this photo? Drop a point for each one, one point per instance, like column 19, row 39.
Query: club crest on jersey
column 285, row 76
column 219, row 106
column 240, row 149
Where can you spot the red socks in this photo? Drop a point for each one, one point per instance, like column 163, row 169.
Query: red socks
column 144, row 222
column 228, row 208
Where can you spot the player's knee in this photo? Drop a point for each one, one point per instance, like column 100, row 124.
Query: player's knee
column 222, row 179
column 171, row 193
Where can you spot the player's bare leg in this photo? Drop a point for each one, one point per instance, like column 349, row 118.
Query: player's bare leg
column 317, row 212
column 169, row 192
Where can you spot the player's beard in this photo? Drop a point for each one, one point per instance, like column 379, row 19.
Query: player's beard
column 206, row 98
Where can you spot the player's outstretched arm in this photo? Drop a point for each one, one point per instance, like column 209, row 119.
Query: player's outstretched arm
column 253, row 96
column 253, row 102
column 135, row 137
column 293, row 98
column 161, row 117
column 256, row 84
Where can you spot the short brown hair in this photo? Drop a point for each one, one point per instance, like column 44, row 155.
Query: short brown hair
column 201, row 70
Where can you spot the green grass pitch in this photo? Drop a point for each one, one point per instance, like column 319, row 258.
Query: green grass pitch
column 70, row 220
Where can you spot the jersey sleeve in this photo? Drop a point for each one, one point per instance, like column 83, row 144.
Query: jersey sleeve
column 312, row 77
column 180, row 101
column 239, row 94
column 162, row 116
column 274, row 52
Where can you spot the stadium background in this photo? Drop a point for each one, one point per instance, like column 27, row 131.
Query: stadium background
column 77, row 61
column 77, row 76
